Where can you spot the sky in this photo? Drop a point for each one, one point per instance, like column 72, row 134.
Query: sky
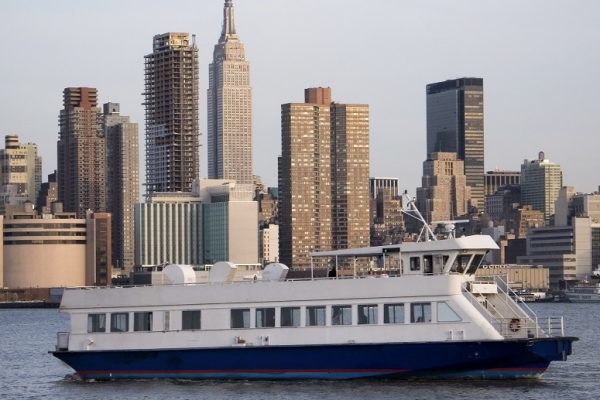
column 540, row 61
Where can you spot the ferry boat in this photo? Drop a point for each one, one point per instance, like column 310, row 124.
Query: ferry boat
column 584, row 293
column 420, row 313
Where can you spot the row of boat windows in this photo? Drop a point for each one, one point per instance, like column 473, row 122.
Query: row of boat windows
column 366, row 314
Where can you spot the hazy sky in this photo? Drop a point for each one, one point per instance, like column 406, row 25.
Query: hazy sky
column 540, row 61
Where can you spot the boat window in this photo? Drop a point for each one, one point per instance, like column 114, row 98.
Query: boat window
column 315, row 316
column 367, row 314
column 415, row 263
column 240, row 318
column 445, row 313
column 265, row 317
column 190, row 320
column 475, row 264
column 393, row 313
column 96, row 323
column 290, row 316
column 142, row 321
column 428, row 264
column 420, row 312
column 119, row 322
column 460, row 263
column 341, row 315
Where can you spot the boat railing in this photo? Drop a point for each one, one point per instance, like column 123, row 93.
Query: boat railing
column 513, row 301
column 480, row 307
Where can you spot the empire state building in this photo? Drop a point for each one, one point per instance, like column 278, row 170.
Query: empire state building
column 229, row 107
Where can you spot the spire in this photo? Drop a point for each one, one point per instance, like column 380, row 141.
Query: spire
column 228, row 31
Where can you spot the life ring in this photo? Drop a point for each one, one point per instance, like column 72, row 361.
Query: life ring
column 515, row 325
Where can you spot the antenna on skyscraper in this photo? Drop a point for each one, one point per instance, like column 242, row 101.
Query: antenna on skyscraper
column 193, row 39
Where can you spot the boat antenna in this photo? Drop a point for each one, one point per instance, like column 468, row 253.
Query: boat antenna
column 410, row 209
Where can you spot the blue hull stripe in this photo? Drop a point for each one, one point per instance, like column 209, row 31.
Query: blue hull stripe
column 485, row 359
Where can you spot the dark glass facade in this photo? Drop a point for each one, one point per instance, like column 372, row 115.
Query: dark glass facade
column 455, row 124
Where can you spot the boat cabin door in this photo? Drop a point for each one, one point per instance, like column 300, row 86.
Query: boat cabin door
column 438, row 263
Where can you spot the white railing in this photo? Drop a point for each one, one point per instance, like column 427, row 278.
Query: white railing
column 522, row 321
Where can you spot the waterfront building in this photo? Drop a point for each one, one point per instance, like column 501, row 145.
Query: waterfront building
column 568, row 251
column 21, row 172
column 171, row 103
column 444, row 194
column 229, row 107
column 75, row 251
column 455, row 124
column 541, row 181
column 230, row 224
column 323, row 177
column 122, row 182
column 168, row 229
column 81, row 152
column 497, row 179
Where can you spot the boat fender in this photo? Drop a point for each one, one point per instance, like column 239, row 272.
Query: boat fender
column 515, row 325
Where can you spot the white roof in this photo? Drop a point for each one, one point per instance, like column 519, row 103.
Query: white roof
column 475, row 242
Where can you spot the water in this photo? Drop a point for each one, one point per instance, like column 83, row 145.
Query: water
column 27, row 371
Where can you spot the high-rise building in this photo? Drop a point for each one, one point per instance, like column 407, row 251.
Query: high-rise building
column 48, row 194
column 168, row 229
column 323, row 177
column 497, row 179
column 229, row 220
column 81, row 152
column 21, row 172
column 377, row 183
column 455, row 124
column 541, row 181
column 444, row 192
column 122, row 182
column 229, row 107
column 171, row 102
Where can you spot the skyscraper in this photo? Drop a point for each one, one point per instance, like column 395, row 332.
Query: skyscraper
column 171, row 102
column 229, row 107
column 323, row 177
column 455, row 124
column 541, row 181
column 444, row 193
column 122, row 182
column 81, row 152
column 21, row 171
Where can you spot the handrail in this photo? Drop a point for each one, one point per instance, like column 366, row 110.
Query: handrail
column 484, row 311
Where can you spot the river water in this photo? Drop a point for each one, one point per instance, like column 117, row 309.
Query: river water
column 27, row 371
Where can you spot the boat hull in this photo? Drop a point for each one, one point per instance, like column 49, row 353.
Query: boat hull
column 465, row 359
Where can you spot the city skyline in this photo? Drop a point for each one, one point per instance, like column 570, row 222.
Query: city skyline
column 541, row 89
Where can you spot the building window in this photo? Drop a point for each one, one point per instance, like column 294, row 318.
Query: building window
column 265, row 317
column 367, row 314
column 341, row 315
column 415, row 263
column 290, row 316
column 240, row 318
column 142, row 321
column 96, row 323
column 190, row 320
column 420, row 312
column 445, row 313
column 393, row 313
column 119, row 322
column 315, row 316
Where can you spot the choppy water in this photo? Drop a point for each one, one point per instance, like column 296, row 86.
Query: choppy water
column 27, row 371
